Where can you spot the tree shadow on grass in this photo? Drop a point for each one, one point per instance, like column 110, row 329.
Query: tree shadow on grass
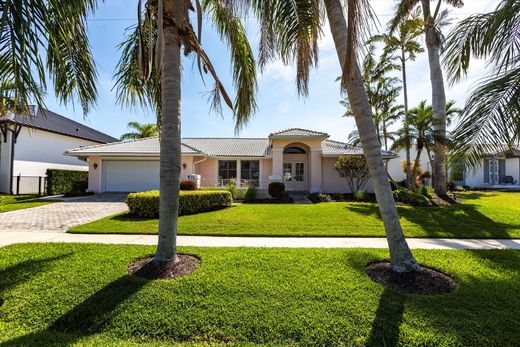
column 459, row 221
column 25, row 270
column 388, row 318
column 91, row 316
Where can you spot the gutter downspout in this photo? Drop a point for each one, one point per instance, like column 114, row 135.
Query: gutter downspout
column 197, row 162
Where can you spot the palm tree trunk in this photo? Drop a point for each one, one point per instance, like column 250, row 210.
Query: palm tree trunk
column 401, row 257
column 416, row 167
column 406, row 127
column 438, row 99
column 170, row 146
column 431, row 165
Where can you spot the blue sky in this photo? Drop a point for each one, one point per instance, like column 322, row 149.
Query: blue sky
column 279, row 105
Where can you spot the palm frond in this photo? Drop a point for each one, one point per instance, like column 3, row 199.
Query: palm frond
column 231, row 29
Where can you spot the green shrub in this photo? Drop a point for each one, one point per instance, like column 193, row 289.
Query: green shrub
column 66, row 181
column 427, row 191
column 232, row 188
column 276, row 189
column 450, row 185
column 146, row 204
column 250, row 194
column 361, row 195
column 409, row 197
column 188, row 185
column 319, row 197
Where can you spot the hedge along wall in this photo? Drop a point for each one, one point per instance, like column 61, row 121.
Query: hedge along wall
column 146, row 204
column 66, row 181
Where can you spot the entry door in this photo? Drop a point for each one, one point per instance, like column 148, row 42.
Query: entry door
column 294, row 176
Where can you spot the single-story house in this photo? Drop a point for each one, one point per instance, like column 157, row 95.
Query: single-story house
column 302, row 159
column 499, row 170
column 29, row 145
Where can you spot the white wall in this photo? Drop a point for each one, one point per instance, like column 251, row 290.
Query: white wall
column 395, row 168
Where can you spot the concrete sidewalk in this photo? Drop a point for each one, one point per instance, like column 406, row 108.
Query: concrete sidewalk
column 11, row 237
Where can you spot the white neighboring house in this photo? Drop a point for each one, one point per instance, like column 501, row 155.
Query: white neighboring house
column 29, row 145
column 500, row 170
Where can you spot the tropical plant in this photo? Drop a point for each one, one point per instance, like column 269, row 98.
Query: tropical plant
column 420, row 131
column 291, row 30
column 491, row 118
column 402, row 45
column 149, row 73
column 36, row 49
column 140, row 131
column 382, row 92
column 433, row 23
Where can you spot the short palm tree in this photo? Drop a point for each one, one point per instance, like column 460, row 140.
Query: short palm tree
column 290, row 30
column 420, row 132
column 434, row 19
column 491, row 117
column 149, row 73
column 140, row 131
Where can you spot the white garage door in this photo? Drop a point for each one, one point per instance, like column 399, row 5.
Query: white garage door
column 130, row 175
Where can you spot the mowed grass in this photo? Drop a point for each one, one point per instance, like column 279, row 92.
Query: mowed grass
column 18, row 202
column 66, row 294
column 481, row 215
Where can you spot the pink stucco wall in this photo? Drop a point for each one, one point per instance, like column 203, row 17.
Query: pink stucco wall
column 94, row 175
column 332, row 182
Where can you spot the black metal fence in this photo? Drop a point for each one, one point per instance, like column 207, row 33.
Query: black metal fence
column 29, row 185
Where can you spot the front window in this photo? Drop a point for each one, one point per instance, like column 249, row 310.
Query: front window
column 227, row 169
column 250, row 170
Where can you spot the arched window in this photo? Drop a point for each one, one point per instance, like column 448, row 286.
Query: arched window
column 293, row 150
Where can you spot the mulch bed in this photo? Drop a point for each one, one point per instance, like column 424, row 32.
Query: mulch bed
column 427, row 281
column 149, row 269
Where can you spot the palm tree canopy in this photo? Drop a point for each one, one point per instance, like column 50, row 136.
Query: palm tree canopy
column 140, row 131
column 138, row 85
column 35, row 43
column 491, row 117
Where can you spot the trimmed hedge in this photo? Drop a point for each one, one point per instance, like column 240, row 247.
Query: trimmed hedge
column 146, row 204
column 66, row 181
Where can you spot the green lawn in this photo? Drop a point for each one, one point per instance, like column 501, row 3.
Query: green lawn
column 80, row 294
column 18, row 202
column 481, row 215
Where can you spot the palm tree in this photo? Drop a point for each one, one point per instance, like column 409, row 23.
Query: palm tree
column 291, row 29
column 433, row 21
column 36, row 37
column 36, row 50
column 491, row 117
column 402, row 45
column 420, row 131
column 140, row 131
column 149, row 73
column 382, row 92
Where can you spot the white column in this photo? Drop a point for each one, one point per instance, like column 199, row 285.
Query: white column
column 277, row 162
column 239, row 173
column 315, row 170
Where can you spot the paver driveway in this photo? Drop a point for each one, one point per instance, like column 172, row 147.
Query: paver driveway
column 60, row 216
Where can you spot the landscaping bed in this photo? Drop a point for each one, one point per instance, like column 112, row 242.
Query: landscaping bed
column 66, row 294
column 480, row 215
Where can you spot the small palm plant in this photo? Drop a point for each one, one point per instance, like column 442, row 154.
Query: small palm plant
column 140, row 131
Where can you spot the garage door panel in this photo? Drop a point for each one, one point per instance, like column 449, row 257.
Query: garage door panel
column 131, row 175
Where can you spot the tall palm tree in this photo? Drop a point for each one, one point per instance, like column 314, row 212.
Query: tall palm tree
column 140, row 131
column 291, row 29
column 149, row 73
column 491, row 117
column 433, row 21
column 402, row 45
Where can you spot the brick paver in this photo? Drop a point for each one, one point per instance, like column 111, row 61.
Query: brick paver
column 60, row 216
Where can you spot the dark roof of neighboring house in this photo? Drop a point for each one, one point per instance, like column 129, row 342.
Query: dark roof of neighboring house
column 49, row 121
